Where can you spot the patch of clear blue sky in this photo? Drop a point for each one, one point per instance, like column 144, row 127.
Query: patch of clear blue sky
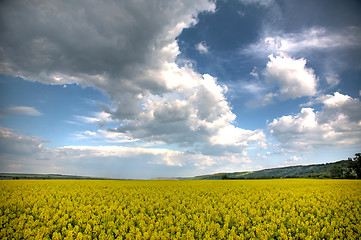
column 58, row 105
column 234, row 26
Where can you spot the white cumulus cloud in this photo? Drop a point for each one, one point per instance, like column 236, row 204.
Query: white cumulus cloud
column 193, row 114
column 202, row 48
column 338, row 124
column 292, row 76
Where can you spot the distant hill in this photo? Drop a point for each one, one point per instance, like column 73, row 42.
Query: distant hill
column 341, row 169
column 41, row 176
column 349, row 169
column 216, row 176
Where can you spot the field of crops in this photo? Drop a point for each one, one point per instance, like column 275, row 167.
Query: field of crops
column 240, row 209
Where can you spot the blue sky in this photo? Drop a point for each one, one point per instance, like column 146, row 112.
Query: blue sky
column 141, row 89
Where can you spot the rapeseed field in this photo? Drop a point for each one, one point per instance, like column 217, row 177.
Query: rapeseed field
column 232, row 209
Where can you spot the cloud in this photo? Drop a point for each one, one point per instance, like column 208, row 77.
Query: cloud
column 240, row 88
column 202, row 48
column 291, row 161
column 118, row 39
column 167, row 157
column 267, row 99
column 30, row 155
column 262, row 3
column 333, row 79
column 339, row 106
column 333, row 47
column 231, row 140
column 11, row 142
column 128, row 51
column 254, row 73
column 317, row 38
column 292, row 76
column 314, row 38
column 22, row 110
column 119, row 48
column 21, row 151
column 253, row 87
column 338, row 124
column 102, row 118
column 24, row 154
column 105, row 136
column 197, row 114
column 130, row 162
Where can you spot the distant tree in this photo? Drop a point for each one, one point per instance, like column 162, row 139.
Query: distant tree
column 335, row 172
column 357, row 164
column 225, row 177
column 353, row 167
column 349, row 173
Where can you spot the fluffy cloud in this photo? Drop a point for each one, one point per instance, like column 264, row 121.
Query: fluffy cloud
column 292, row 76
column 339, row 106
column 194, row 114
column 127, row 50
column 231, row 139
column 338, row 47
column 202, row 48
column 337, row 124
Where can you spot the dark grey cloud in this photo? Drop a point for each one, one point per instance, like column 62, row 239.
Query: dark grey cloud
column 115, row 40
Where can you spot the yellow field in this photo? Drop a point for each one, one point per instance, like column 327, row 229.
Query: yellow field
column 240, row 209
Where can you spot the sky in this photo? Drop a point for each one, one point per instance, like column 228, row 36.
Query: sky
column 158, row 88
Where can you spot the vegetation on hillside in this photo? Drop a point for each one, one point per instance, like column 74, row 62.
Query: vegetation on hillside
column 347, row 169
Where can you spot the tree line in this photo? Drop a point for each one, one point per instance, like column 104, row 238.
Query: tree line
column 352, row 169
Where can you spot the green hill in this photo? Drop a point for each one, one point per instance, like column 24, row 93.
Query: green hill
column 342, row 169
column 220, row 176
